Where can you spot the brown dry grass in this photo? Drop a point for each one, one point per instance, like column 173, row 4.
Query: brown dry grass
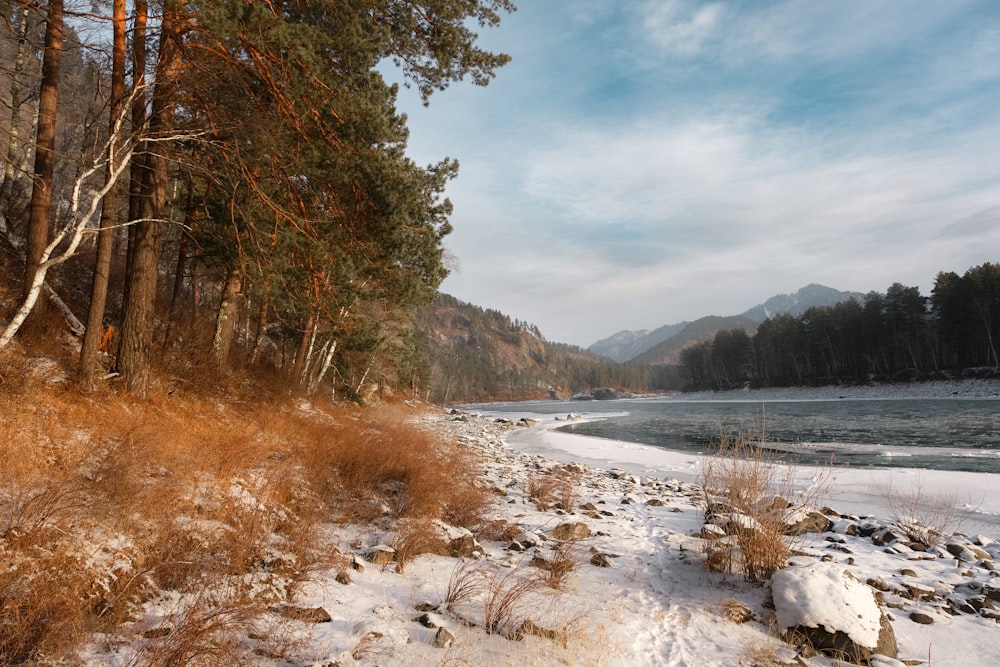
column 740, row 484
column 555, row 487
column 106, row 501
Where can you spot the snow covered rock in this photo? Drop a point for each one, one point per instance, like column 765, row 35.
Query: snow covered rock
column 826, row 608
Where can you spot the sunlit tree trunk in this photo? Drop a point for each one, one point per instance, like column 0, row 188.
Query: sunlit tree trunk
column 225, row 323
column 137, row 326
column 105, row 238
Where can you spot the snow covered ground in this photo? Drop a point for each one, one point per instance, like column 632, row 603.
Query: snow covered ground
column 633, row 588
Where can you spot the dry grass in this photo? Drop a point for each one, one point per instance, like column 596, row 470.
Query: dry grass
column 924, row 517
column 106, row 502
column 741, row 484
column 555, row 487
column 561, row 562
column 503, row 596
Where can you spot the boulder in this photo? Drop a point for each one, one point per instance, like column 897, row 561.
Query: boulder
column 570, row 531
column 812, row 522
column 825, row 608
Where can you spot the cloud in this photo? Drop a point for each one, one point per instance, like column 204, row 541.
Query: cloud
column 639, row 164
column 679, row 27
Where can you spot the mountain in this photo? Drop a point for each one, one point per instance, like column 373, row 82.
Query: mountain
column 798, row 303
column 476, row 354
column 634, row 345
column 626, row 345
column 668, row 352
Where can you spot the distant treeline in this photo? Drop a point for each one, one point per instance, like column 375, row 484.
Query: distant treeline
column 898, row 335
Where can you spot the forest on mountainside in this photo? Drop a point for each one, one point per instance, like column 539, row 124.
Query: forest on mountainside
column 246, row 168
column 900, row 335
column 477, row 354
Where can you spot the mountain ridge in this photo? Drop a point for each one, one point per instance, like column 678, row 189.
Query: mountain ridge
column 634, row 346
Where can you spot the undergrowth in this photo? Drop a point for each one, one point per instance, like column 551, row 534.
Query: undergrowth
column 108, row 504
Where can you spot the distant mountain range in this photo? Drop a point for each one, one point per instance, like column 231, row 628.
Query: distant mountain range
column 664, row 345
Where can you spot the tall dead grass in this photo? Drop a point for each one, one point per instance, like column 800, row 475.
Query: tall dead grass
column 743, row 487
column 107, row 502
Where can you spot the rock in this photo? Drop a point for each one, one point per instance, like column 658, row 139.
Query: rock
column 304, row 614
column 827, row 609
column 885, row 536
column 600, row 560
column 878, row 584
column 444, row 638
column 358, row 564
column 343, row 577
column 381, row 554
column 570, row 531
column 464, row 546
column 921, row 618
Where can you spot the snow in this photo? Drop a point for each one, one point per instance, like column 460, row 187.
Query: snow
column 824, row 595
column 656, row 604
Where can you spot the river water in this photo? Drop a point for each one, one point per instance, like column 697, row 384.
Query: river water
column 931, row 433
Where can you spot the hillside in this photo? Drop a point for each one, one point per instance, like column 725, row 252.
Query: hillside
column 476, row 354
column 669, row 351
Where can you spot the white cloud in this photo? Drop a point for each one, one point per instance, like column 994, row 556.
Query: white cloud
column 681, row 27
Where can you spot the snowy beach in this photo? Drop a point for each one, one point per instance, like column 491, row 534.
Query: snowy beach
column 633, row 587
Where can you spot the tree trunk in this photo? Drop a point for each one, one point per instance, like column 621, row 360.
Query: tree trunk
column 182, row 264
column 298, row 366
column 41, row 191
column 258, row 340
column 137, row 326
column 16, row 101
column 105, row 238
column 138, row 111
column 225, row 323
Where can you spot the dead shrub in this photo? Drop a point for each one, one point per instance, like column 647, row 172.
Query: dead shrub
column 923, row 516
column 209, row 631
column 563, row 560
column 541, row 488
column 413, row 538
column 43, row 607
column 506, row 597
column 740, row 484
column 555, row 487
column 376, row 463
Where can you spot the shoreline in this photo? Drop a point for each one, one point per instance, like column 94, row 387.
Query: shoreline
column 864, row 491
column 665, row 602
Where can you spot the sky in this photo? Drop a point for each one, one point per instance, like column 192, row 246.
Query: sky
column 646, row 162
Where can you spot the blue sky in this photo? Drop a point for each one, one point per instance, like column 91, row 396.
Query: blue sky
column 641, row 163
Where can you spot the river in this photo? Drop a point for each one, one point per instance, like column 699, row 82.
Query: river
column 957, row 433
